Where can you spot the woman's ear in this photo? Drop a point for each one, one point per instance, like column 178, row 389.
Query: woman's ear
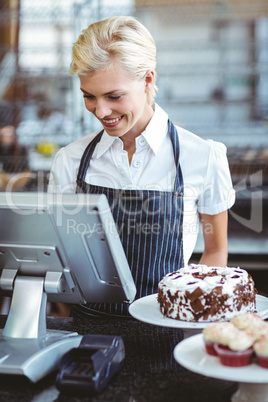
column 149, row 80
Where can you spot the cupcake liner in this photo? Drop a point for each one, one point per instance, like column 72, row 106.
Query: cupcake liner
column 233, row 358
column 262, row 360
column 209, row 346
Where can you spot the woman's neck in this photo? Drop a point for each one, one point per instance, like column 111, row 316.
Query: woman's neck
column 129, row 139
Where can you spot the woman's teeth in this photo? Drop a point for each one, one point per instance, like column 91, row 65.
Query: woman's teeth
column 111, row 121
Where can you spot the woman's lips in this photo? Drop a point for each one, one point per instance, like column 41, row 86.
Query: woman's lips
column 111, row 122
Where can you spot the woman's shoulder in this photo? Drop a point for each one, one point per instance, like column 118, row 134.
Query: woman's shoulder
column 77, row 147
column 194, row 144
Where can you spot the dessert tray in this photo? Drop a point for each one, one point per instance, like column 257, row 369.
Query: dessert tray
column 147, row 309
column 252, row 379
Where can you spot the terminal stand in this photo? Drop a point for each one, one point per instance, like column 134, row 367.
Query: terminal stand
column 27, row 348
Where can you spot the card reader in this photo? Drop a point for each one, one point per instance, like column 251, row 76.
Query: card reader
column 89, row 367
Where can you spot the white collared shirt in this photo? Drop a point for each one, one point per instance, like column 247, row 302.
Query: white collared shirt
column 207, row 181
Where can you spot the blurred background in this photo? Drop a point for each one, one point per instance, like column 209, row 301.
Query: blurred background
column 212, row 78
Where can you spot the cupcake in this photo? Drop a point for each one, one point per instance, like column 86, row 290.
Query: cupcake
column 261, row 352
column 242, row 321
column 258, row 332
column 238, row 352
column 218, row 332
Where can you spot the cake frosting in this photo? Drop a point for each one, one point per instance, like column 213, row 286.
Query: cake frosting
column 245, row 320
column 240, row 342
column 220, row 332
column 200, row 293
column 261, row 347
column 259, row 331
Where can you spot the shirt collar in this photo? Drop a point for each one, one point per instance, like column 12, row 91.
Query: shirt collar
column 154, row 133
column 156, row 129
column 105, row 143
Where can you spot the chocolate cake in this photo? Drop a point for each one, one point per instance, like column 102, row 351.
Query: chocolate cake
column 200, row 293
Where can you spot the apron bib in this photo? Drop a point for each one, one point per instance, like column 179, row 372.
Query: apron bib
column 150, row 228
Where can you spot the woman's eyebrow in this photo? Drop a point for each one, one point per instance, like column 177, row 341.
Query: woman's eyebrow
column 107, row 93
column 85, row 92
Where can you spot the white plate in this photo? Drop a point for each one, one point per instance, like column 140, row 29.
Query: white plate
column 191, row 354
column 147, row 309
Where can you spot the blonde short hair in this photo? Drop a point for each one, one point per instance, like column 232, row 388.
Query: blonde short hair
column 122, row 40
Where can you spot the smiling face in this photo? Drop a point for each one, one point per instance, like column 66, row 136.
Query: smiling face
column 119, row 103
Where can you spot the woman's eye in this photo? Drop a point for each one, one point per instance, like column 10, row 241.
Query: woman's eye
column 88, row 96
column 115, row 97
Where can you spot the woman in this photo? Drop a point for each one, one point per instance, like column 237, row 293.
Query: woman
column 159, row 179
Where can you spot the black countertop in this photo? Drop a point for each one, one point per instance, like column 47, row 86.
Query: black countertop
column 150, row 373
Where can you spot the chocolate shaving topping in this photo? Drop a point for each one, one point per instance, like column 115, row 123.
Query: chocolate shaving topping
column 195, row 294
column 197, row 305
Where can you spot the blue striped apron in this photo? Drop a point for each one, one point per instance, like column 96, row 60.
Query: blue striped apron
column 149, row 223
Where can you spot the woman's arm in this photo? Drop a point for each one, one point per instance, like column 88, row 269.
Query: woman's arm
column 214, row 229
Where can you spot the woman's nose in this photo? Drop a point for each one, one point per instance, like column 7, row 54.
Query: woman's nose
column 102, row 110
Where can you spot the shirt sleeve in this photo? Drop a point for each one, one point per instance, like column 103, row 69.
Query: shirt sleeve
column 218, row 193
